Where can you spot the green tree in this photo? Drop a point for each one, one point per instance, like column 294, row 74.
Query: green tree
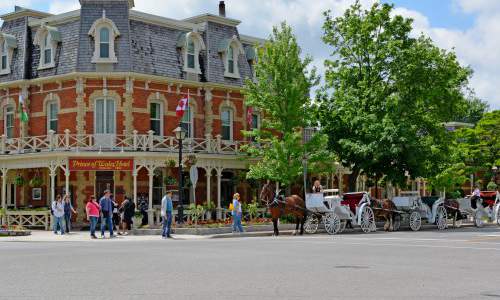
column 281, row 92
column 387, row 94
column 479, row 147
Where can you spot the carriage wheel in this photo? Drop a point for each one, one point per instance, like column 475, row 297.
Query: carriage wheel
column 498, row 217
column 343, row 224
column 332, row 223
column 367, row 219
column 478, row 221
column 441, row 218
column 396, row 223
column 457, row 223
column 415, row 221
column 311, row 224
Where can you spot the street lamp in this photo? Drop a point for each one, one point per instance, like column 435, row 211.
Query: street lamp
column 180, row 134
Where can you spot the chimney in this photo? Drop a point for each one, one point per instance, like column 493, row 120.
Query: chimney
column 222, row 9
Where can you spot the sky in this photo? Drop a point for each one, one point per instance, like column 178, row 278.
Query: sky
column 470, row 27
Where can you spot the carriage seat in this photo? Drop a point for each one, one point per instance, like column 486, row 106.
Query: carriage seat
column 430, row 200
column 352, row 200
column 489, row 198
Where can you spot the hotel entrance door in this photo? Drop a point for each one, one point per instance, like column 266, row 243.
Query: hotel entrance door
column 103, row 181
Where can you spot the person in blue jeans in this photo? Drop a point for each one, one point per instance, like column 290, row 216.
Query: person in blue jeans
column 166, row 212
column 58, row 213
column 106, row 213
column 237, row 213
column 68, row 209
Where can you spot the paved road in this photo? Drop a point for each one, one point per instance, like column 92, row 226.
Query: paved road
column 454, row 264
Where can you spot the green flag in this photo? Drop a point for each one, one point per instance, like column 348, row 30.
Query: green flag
column 23, row 113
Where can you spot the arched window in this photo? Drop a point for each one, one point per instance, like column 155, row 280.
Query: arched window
column 156, row 118
column 230, row 60
column 9, row 121
column 191, row 44
column 187, row 122
column 4, row 55
column 231, row 49
column 47, row 38
column 104, row 42
column 226, row 119
column 191, row 54
column 104, row 32
column 47, row 50
column 52, row 116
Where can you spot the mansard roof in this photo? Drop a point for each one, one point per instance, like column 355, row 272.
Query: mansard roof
column 147, row 44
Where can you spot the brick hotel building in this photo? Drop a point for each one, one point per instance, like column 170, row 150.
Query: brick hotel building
column 100, row 86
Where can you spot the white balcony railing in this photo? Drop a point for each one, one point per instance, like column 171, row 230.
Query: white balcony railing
column 114, row 142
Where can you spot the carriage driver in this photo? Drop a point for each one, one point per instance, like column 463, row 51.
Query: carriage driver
column 317, row 188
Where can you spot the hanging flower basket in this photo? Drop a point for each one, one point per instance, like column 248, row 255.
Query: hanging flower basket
column 19, row 180
column 169, row 180
column 36, row 182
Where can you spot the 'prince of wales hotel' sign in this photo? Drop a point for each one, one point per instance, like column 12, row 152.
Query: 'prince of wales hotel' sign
column 93, row 164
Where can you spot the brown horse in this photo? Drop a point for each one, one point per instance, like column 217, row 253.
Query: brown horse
column 384, row 209
column 280, row 205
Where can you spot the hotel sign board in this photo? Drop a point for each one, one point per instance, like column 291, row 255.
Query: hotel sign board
column 101, row 164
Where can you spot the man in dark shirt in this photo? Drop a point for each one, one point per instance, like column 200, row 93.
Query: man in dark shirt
column 106, row 213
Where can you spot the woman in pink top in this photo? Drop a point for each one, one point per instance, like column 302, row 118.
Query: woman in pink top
column 92, row 209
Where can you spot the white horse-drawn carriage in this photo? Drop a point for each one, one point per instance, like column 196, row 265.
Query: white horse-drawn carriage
column 415, row 210
column 335, row 211
column 486, row 209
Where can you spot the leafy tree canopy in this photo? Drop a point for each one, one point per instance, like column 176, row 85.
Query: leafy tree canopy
column 387, row 94
column 281, row 93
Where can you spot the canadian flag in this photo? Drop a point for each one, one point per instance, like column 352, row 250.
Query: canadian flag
column 182, row 106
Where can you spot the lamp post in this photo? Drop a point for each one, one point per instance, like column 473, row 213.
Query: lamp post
column 495, row 170
column 180, row 134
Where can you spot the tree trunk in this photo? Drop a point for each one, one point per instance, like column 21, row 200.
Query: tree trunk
column 352, row 180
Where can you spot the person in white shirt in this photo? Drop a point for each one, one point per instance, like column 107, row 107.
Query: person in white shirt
column 58, row 213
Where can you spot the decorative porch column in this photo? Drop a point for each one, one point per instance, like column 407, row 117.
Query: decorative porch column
column 134, row 175
column 219, row 188
column 4, row 187
column 418, row 185
column 208, row 174
column 150, row 196
column 340, row 177
column 67, row 173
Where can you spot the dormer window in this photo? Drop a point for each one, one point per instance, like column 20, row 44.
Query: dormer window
column 104, row 42
column 4, row 55
column 47, row 38
column 7, row 45
column 191, row 44
column 47, row 50
column 104, row 32
column 231, row 49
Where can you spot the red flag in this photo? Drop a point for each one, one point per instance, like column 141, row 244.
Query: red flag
column 182, row 106
column 250, row 116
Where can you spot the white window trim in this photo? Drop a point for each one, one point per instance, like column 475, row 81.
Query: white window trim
column 237, row 51
column 9, row 54
column 191, row 121
column 231, row 123
column 39, row 41
column 258, row 120
column 198, row 46
column 5, row 119
column 48, row 103
column 95, row 112
column 113, row 34
column 161, row 116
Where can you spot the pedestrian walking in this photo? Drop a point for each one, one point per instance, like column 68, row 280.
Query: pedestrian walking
column 68, row 210
column 92, row 208
column 116, row 214
column 127, row 210
column 58, row 213
column 166, row 212
column 237, row 213
column 143, row 207
column 106, row 213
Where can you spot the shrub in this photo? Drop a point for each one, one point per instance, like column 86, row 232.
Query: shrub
column 491, row 186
